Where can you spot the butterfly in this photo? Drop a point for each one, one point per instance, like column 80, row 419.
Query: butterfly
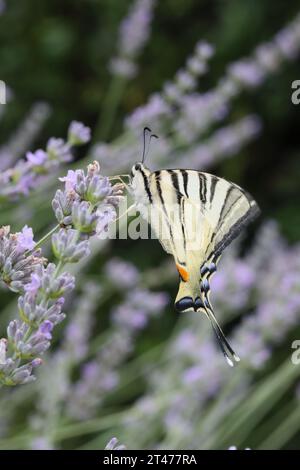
column 195, row 216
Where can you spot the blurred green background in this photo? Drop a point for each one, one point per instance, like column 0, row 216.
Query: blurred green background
column 58, row 52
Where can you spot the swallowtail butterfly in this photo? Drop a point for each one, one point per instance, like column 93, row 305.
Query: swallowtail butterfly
column 195, row 216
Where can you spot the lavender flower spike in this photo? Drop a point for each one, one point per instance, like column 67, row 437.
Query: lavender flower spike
column 78, row 133
column 134, row 33
column 67, row 246
column 84, row 205
column 27, row 174
column 88, row 202
column 15, row 266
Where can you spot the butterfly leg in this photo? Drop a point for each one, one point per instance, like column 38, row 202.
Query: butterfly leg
column 118, row 177
column 126, row 212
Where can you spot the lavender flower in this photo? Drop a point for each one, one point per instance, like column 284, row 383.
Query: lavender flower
column 27, row 174
column 43, row 287
column 16, row 267
column 247, row 73
column 38, row 158
column 160, row 106
column 88, row 202
column 195, row 113
column 40, row 310
column 100, row 375
column 67, row 246
column 78, row 133
column 33, row 312
column 134, row 32
column 84, row 218
column 25, row 134
column 62, row 206
column 121, row 273
column 79, row 328
column 40, row 443
column 3, row 349
column 138, row 307
column 225, row 142
column 58, row 151
column 113, row 444
column 25, row 240
column 194, row 369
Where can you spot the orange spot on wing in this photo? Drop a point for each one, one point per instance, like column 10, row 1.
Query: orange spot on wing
column 183, row 273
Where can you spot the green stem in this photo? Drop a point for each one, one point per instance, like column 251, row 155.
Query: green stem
column 46, row 237
column 59, row 267
column 283, row 432
column 109, row 109
column 262, row 399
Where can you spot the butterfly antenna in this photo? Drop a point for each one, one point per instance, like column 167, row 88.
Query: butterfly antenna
column 147, row 147
column 146, row 129
column 152, row 136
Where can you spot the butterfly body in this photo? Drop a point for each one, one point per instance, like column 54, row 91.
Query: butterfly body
column 194, row 215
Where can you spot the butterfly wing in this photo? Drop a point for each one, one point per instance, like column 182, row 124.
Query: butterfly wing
column 224, row 210
column 195, row 216
column 200, row 208
column 167, row 217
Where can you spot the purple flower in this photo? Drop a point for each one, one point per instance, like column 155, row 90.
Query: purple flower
column 247, row 72
column 69, row 180
column 34, row 284
column 37, row 158
column 133, row 34
column 25, row 239
column 78, row 133
column 41, row 443
column 36, row 362
column 113, row 444
column 204, row 50
column 58, row 150
column 16, row 266
column 3, row 350
column 46, row 329
column 122, row 273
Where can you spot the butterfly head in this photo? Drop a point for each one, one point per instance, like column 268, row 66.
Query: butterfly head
column 138, row 169
column 139, row 173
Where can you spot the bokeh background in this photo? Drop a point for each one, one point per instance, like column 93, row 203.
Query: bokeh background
column 155, row 379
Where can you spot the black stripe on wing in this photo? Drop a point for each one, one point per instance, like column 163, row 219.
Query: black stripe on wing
column 160, row 194
column 185, row 181
column 175, row 182
column 213, row 185
column 147, row 187
column 202, row 187
column 236, row 229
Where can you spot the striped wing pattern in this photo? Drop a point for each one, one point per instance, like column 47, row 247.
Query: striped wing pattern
column 195, row 216
column 223, row 210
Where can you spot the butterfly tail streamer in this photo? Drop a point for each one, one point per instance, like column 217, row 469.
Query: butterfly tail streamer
column 219, row 339
column 223, row 343
column 222, row 340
